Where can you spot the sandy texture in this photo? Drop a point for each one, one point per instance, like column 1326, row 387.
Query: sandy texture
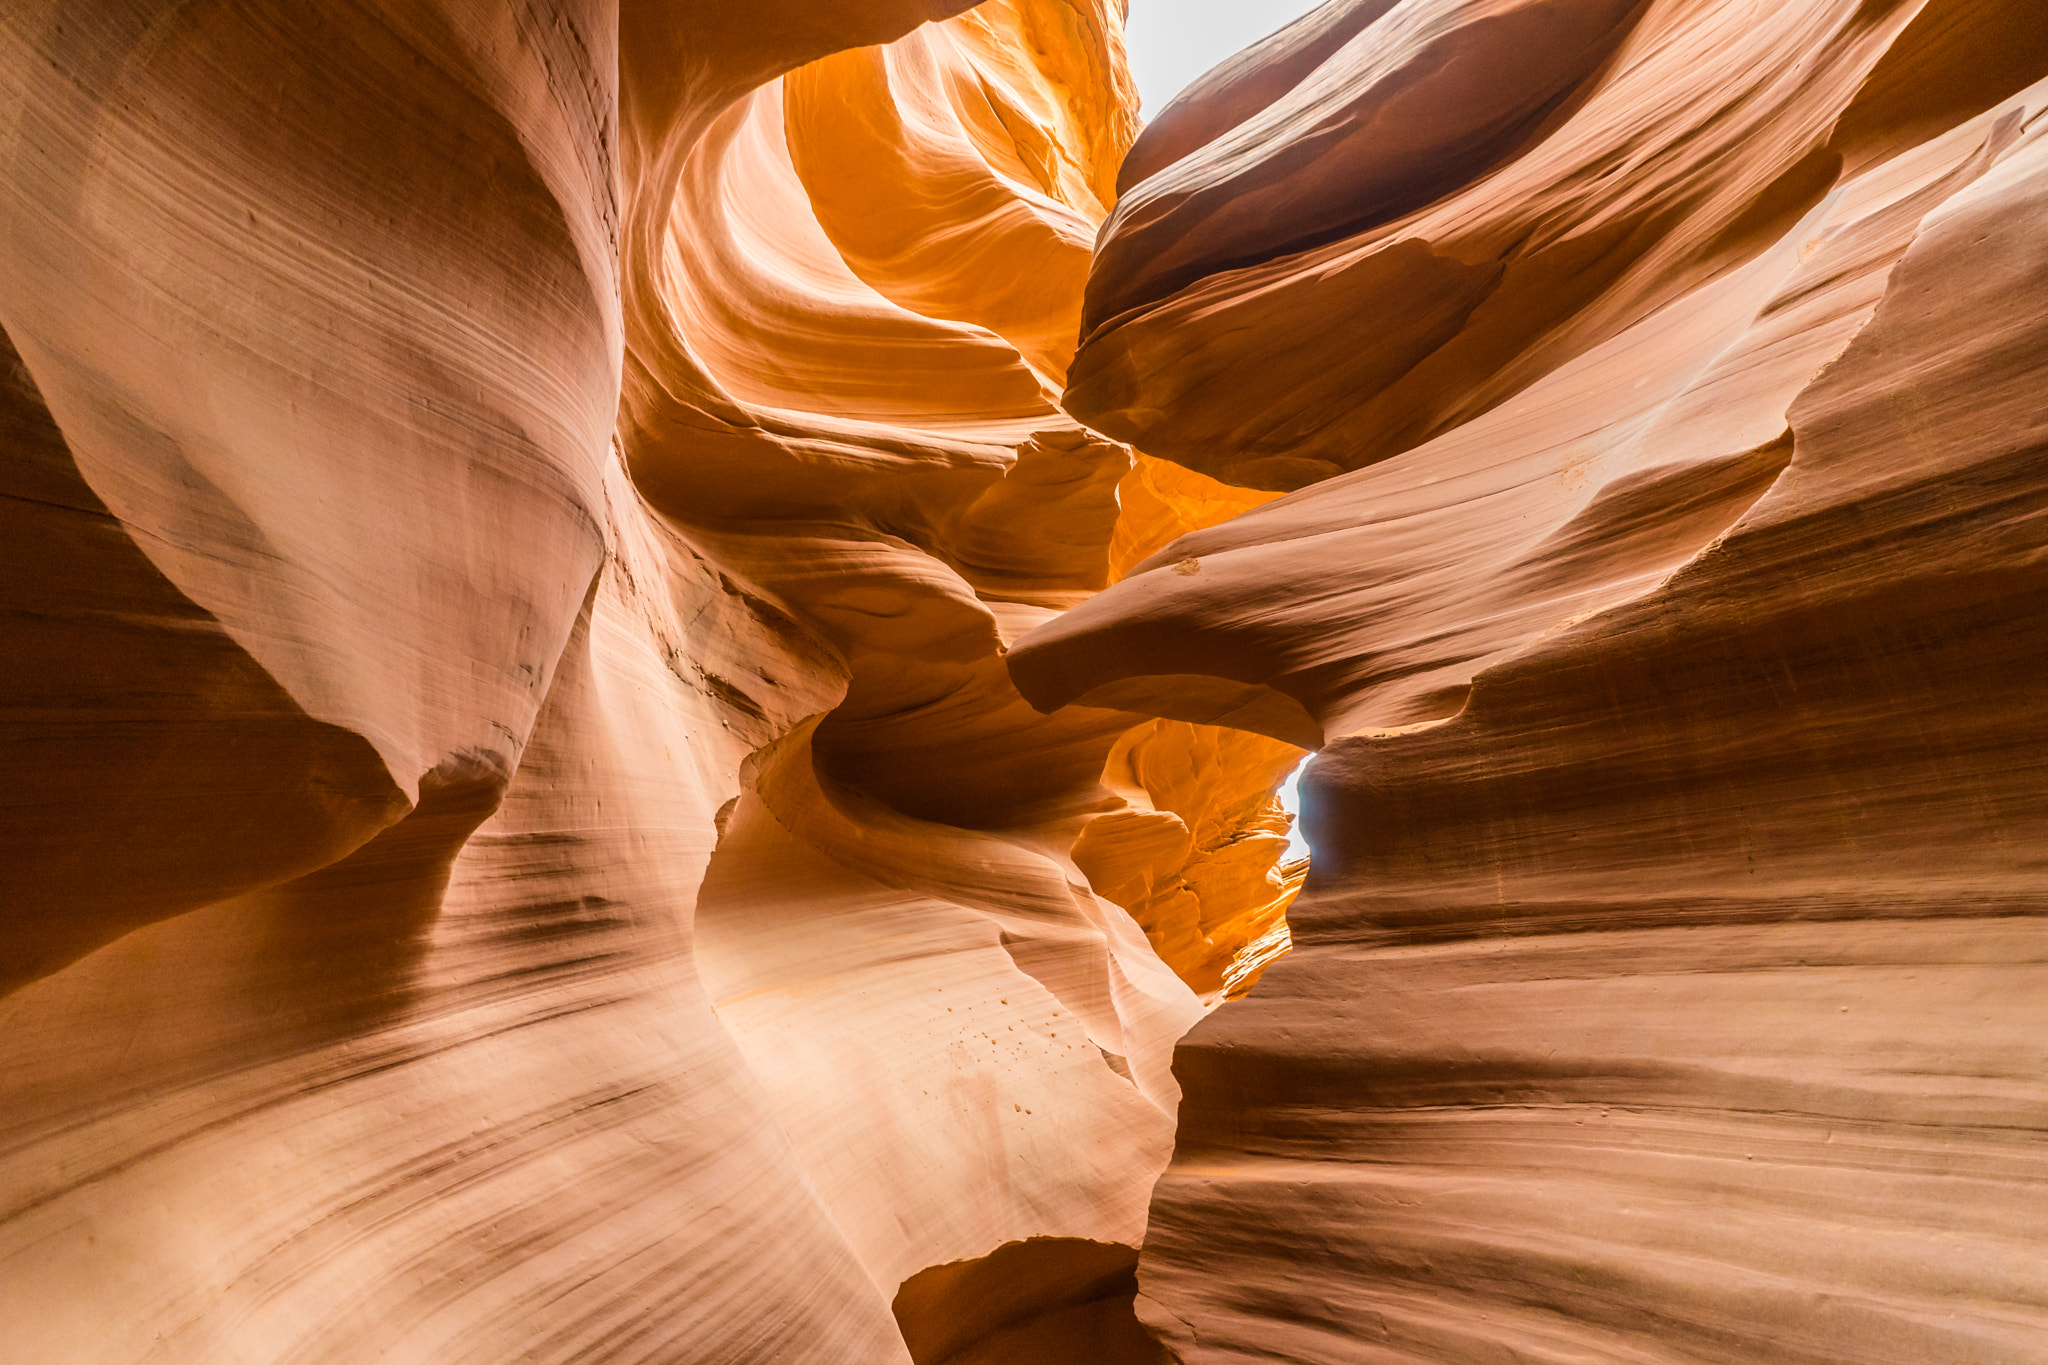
column 1670, row 982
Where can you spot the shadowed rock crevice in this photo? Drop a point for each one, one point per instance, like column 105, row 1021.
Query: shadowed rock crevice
column 110, row 678
column 1043, row 1301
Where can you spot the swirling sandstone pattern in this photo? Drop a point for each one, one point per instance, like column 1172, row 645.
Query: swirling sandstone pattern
column 1670, row 984
column 520, row 841
column 609, row 749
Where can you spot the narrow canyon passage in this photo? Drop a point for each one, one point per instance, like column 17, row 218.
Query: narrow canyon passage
column 654, row 659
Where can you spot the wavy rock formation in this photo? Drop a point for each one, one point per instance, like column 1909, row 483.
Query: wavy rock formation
column 1670, row 982
column 646, row 648
column 521, row 843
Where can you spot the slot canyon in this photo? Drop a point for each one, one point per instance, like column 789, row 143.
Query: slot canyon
column 647, row 647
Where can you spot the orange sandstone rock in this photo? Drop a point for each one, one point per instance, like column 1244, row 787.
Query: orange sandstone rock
column 1464, row 195
column 646, row 648
column 520, row 840
column 1668, row 982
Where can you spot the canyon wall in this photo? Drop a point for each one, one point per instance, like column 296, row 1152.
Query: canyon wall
column 647, row 647
column 1662, row 385
column 520, row 840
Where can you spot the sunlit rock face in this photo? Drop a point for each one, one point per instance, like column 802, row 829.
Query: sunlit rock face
column 521, row 844
column 1661, row 382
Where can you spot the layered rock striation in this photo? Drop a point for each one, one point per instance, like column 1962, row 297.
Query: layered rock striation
column 1662, row 591
column 646, row 648
column 520, row 840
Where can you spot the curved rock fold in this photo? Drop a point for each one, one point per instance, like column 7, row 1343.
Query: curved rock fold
column 645, row 650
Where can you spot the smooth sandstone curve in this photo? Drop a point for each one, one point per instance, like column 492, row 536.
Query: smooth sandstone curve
column 528, row 849
column 1668, row 983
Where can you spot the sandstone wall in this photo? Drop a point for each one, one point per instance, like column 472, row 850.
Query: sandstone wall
column 520, row 841
column 646, row 647
column 1662, row 385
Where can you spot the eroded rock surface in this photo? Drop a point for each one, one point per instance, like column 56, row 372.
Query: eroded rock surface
column 520, row 840
column 646, row 647
column 1670, row 983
